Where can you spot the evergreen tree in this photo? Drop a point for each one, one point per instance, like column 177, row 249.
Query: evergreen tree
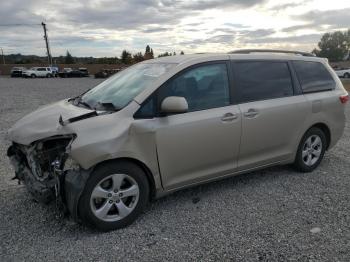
column 148, row 53
column 182, row 53
column 69, row 58
column 126, row 57
column 138, row 57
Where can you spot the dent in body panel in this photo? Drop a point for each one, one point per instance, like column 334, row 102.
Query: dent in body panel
column 130, row 138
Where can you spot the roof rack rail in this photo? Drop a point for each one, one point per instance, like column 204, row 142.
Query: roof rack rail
column 248, row 51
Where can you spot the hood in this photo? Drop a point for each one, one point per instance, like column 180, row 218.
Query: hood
column 44, row 122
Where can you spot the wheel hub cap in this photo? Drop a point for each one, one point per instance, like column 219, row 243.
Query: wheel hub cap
column 312, row 150
column 114, row 197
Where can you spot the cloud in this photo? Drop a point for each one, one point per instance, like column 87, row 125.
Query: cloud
column 218, row 39
column 302, row 39
column 109, row 26
column 339, row 18
column 298, row 27
column 156, row 29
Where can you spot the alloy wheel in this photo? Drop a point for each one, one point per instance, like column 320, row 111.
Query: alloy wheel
column 312, row 150
column 114, row 197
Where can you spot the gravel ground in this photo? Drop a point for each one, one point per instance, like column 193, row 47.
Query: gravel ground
column 271, row 215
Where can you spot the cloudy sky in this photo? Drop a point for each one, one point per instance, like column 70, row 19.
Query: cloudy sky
column 106, row 27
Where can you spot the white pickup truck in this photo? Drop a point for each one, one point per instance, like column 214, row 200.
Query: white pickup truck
column 343, row 72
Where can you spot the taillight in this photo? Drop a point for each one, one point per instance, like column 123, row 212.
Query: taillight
column 344, row 98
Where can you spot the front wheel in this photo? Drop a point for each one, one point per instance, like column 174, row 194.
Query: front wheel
column 33, row 76
column 114, row 196
column 346, row 75
column 311, row 150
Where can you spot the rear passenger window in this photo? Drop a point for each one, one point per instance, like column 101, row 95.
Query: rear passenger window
column 313, row 76
column 260, row 80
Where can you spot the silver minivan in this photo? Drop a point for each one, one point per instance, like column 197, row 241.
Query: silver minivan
column 174, row 122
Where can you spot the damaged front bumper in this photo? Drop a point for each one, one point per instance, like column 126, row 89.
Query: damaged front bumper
column 49, row 173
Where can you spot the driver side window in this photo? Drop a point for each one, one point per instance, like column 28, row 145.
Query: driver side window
column 204, row 87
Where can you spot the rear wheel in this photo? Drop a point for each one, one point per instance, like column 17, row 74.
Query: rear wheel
column 33, row 76
column 311, row 150
column 114, row 196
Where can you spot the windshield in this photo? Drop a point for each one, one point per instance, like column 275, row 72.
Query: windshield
column 123, row 87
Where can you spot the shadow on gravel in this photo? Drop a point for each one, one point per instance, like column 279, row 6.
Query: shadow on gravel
column 57, row 225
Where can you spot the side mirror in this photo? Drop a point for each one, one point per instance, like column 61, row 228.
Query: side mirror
column 174, row 104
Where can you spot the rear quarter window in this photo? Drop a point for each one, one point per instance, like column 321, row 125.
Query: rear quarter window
column 313, row 76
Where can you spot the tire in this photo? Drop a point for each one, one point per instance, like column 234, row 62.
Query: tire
column 33, row 76
column 311, row 150
column 48, row 75
column 346, row 75
column 91, row 203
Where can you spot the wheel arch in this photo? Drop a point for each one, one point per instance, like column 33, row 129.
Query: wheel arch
column 325, row 129
column 75, row 182
column 140, row 164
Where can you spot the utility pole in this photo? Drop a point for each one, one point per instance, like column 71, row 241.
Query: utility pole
column 3, row 57
column 49, row 58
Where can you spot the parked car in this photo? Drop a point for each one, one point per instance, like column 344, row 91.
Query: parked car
column 174, row 122
column 84, row 71
column 69, row 72
column 38, row 72
column 104, row 73
column 343, row 72
column 54, row 70
column 17, row 71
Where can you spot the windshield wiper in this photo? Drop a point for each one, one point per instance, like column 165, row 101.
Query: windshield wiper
column 106, row 106
column 81, row 102
column 78, row 101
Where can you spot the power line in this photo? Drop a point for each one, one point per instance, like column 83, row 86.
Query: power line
column 18, row 24
column 49, row 57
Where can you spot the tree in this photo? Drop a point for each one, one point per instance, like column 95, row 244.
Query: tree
column 182, row 53
column 148, row 53
column 126, row 57
column 69, row 58
column 138, row 57
column 164, row 54
column 335, row 46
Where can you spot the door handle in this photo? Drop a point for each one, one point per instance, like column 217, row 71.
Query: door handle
column 251, row 113
column 228, row 117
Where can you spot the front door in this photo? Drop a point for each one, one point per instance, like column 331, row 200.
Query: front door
column 204, row 142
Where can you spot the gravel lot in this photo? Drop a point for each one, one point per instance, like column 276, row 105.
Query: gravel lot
column 271, row 215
